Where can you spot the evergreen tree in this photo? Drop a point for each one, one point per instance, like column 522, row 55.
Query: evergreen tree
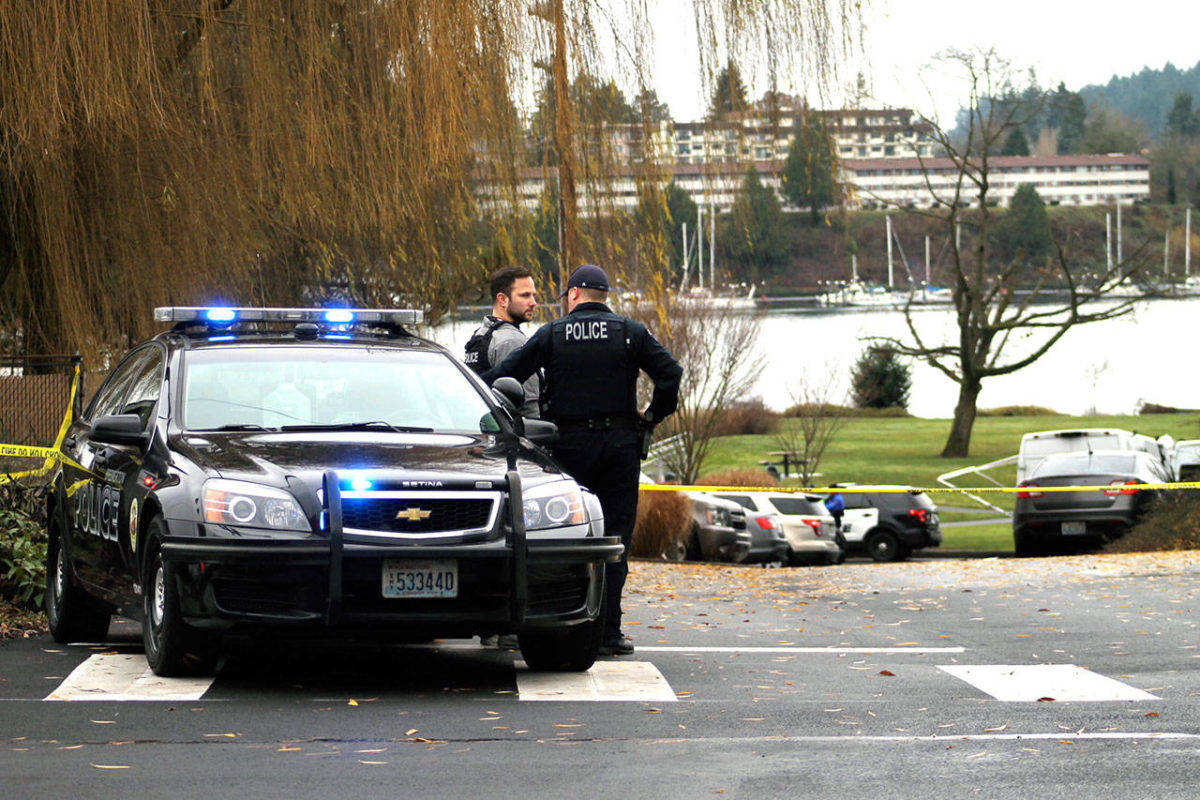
column 729, row 94
column 1181, row 119
column 809, row 179
column 753, row 234
column 650, row 108
column 1024, row 232
column 880, row 379
column 1015, row 144
column 680, row 209
column 1067, row 113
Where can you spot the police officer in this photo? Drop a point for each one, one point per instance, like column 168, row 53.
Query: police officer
column 591, row 359
column 514, row 299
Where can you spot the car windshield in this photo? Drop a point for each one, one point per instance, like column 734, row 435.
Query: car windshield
column 1087, row 464
column 278, row 387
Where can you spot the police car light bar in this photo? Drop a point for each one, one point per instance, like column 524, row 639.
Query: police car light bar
column 220, row 316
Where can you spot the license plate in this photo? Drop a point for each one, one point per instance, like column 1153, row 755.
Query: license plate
column 1074, row 528
column 403, row 578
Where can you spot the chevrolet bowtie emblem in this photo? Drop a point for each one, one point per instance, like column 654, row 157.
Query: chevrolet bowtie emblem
column 414, row 514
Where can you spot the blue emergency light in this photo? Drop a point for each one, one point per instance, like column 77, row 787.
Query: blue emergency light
column 223, row 316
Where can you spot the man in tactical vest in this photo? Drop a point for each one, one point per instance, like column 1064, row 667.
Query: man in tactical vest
column 591, row 359
column 514, row 299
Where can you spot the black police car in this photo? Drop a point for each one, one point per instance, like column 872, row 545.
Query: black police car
column 261, row 470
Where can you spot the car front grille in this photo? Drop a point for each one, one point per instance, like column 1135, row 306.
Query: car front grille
column 418, row 513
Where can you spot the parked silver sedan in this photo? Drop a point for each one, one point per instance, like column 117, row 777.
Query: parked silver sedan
column 808, row 526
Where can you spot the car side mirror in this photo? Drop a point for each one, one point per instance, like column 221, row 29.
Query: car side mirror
column 119, row 429
column 509, row 392
column 540, row 431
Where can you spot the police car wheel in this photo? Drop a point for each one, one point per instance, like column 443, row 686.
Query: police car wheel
column 173, row 648
column 884, row 546
column 71, row 618
column 572, row 650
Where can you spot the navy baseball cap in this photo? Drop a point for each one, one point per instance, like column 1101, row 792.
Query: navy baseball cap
column 589, row 276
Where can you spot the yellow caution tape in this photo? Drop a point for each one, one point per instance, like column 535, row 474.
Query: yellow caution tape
column 26, row 451
column 52, row 454
column 1140, row 487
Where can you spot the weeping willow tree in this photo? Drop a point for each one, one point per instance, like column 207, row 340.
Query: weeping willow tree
column 295, row 151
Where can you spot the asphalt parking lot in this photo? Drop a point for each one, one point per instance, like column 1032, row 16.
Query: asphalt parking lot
column 941, row 678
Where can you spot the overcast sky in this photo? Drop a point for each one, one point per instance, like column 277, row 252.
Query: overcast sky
column 1075, row 41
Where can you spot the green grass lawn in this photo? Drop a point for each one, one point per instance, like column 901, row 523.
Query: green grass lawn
column 905, row 451
column 996, row 536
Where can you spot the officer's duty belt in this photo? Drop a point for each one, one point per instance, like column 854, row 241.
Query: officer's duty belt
column 598, row 423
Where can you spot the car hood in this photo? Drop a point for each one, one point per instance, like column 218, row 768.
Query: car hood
column 404, row 460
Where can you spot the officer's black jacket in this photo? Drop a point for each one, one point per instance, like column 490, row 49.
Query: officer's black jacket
column 591, row 359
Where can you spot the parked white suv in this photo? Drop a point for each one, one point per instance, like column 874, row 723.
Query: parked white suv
column 1039, row 444
column 807, row 525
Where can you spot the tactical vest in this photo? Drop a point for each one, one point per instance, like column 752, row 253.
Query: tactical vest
column 590, row 371
column 476, row 356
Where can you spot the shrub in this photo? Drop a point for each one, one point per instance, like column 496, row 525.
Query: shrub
column 820, row 409
column 664, row 519
column 22, row 544
column 880, row 379
column 1172, row 524
column 739, row 476
column 1155, row 408
column 747, row 418
column 1017, row 411
column 834, row 410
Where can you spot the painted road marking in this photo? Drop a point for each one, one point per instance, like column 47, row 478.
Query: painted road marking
column 634, row 681
column 1032, row 682
column 125, row 677
column 848, row 650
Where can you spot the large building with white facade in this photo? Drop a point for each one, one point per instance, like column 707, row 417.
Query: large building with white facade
column 765, row 134
column 1078, row 180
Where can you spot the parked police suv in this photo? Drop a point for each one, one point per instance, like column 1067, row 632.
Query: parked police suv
column 267, row 470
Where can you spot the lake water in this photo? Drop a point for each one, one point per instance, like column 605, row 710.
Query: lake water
column 1110, row 367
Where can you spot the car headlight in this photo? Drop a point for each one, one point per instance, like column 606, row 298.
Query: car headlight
column 554, row 505
column 719, row 516
column 251, row 505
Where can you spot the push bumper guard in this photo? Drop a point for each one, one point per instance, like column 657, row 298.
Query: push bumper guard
column 516, row 549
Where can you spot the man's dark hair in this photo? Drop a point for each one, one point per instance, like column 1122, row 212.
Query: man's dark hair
column 502, row 280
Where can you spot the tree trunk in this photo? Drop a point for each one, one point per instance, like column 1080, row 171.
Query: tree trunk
column 958, row 443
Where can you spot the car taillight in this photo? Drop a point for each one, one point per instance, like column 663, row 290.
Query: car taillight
column 766, row 523
column 1027, row 494
column 815, row 524
column 920, row 513
column 1115, row 492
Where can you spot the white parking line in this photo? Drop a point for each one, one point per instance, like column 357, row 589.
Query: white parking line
column 1033, row 682
column 850, row 650
column 631, row 681
column 125, row 677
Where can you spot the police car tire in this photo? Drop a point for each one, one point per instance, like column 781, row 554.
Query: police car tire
column 883, row 545
column 572, row 649
column 71, row 617
column 173, row 648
